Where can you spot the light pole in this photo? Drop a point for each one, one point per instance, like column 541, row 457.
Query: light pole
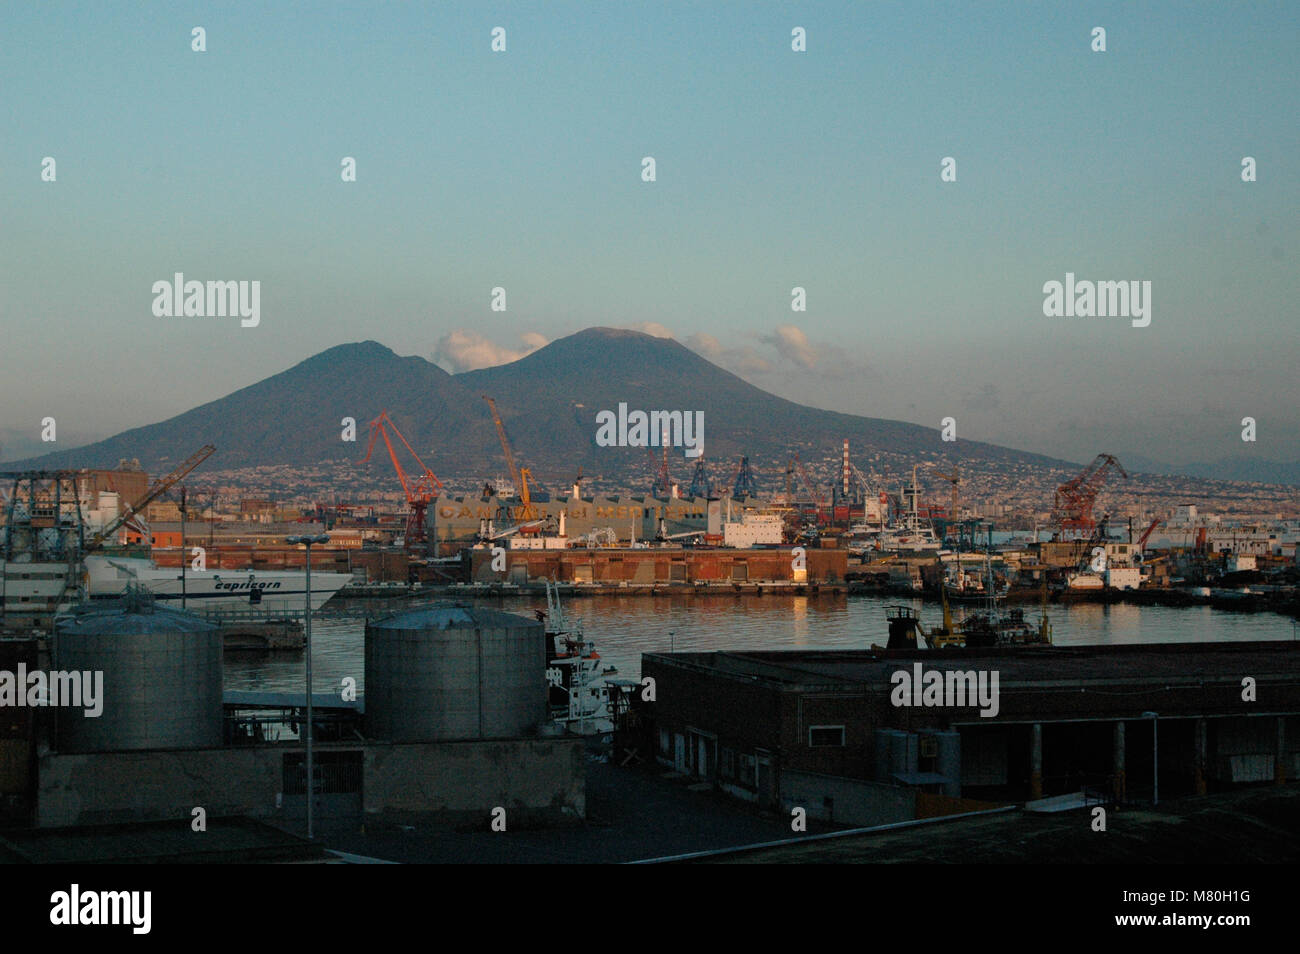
column 1155, row 757
column 307, row 541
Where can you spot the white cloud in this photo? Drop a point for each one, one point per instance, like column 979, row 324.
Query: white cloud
column 742, row 360
column 793, row 345
column 705, row 344
column 651, row 328
column 462, row 350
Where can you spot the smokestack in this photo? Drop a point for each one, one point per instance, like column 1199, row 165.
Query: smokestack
column 844, row 472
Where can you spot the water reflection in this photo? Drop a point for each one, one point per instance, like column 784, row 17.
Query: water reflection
column 624, row 627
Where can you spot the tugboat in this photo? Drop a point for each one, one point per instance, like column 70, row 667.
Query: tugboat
column 579, row 696
column 992, row 627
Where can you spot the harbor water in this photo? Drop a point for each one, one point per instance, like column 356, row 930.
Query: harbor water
column 623, row 628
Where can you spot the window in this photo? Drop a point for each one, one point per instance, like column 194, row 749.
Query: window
column 727, row 765
column 825, row 736
column 748, row 771
column 665, row 744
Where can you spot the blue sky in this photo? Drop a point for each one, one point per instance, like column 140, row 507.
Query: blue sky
column 775, row 169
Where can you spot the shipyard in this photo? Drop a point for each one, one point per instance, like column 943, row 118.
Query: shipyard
column 662, row 439
column 949, row 618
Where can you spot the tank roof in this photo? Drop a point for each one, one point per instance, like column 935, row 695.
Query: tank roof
column 452, row 616
column 131, row 622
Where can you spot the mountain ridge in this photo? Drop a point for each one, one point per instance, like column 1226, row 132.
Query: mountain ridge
column 548, row 401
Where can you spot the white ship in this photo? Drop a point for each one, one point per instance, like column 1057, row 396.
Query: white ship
column 267, row 591
column 913, row 532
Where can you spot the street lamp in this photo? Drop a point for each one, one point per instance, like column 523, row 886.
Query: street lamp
column 307, row 541
column 1155, row 757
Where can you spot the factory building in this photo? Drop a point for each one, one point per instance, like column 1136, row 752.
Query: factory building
column 662, row 566
column 459, row 519
column 824, row 730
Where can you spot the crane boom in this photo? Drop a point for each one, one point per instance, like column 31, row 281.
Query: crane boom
column 954, row 478
column 1146, row 534
column 160, row 487
column 1072, row 506
column 817, row 496
column 505, row 443
column 419, row 492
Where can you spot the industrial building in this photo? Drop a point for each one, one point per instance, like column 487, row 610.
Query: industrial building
column 820, row 730
column 662, row 566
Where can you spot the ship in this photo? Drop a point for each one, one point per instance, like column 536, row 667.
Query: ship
column 990, row 627
column 268, row 591
column 966, row 587
column 913, row 533
column 579, row 694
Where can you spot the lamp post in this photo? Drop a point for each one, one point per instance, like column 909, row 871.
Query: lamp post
column 307, row 541
column 1155, row 757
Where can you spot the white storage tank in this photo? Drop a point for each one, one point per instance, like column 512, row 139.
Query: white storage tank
column 162, row 679
column 454, row 672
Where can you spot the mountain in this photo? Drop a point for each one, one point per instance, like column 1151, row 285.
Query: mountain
column 548, row 400
column 1244, row 469
column 289, row 418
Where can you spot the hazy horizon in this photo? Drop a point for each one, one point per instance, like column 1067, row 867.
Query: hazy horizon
column 775, row 169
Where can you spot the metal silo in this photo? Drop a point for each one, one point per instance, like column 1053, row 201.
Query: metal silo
column 161, row 684
column 454, row 672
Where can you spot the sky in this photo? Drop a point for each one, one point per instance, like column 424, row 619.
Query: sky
column 774, row 169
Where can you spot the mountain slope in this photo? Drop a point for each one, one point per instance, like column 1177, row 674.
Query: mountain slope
column 293, row 417
column 549, row 401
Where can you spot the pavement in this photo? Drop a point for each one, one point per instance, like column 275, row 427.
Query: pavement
column 633, row 814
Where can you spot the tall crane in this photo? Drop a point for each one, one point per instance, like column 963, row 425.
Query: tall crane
column 742, row 484
column 701, row 486
column 527, row 512
column 505, row 443
column 1146, row 534
column 420, row 492
column 160, row 487
column 867, row 490
column 817, row 495
column 1072, row 505
column 954, row 478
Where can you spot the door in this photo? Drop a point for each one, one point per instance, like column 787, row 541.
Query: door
column 767, row 794
column 679, row 753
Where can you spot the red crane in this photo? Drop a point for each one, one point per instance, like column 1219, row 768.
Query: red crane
column 1072, row 506
column 420, row 492
column 663, row 481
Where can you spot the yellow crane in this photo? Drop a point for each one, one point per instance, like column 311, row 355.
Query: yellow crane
column 527, row 511
column 505, row 443
column 954, row 478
